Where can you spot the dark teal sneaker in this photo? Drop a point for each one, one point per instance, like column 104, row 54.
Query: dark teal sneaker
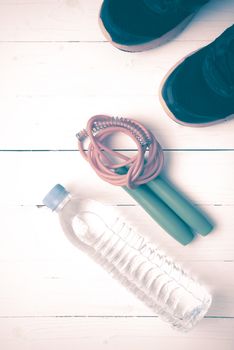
column 138, row 25
column 199, row 90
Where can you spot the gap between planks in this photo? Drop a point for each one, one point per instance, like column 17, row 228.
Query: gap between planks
column 125, row 150
column 102, row 316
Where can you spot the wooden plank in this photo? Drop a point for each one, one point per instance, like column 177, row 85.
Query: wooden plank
column 79, row 287
column 44, row 275
column 77, row 20
column 50, row 123
column 54, row 99
column 106, row 333
column 35, row 235
column 206, row 177
column 85, row 69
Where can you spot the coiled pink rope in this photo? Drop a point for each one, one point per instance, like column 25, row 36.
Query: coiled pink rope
column 141, row 169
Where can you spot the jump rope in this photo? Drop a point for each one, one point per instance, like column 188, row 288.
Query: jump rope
column 139, row 175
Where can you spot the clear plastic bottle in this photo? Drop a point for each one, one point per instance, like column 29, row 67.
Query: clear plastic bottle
column 139, row 265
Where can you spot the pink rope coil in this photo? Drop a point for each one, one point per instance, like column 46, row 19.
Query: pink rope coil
column 141, row 169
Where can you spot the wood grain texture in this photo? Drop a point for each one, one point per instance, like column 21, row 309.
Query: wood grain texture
column 57, row 70
column 50, row 90
column 63, row 287
column 205, row 176
column 35, row 234
column 112, row 333
column 76, row 20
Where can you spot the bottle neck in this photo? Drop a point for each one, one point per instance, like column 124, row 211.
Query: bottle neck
column 63, row 203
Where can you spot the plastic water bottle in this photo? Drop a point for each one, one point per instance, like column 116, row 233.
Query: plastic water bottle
column 139, row 265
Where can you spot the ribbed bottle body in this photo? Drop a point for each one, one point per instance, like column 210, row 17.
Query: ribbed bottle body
column 135, row 262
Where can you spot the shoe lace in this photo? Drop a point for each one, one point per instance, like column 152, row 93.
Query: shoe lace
column 219, row 68
column 163, row 5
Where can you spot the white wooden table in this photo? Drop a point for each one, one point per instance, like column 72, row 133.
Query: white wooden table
column 56, row 72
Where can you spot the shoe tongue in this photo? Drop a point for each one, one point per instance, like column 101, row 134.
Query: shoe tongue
column 218, row 67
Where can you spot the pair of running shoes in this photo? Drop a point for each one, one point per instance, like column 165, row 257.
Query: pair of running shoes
column 199, row 89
